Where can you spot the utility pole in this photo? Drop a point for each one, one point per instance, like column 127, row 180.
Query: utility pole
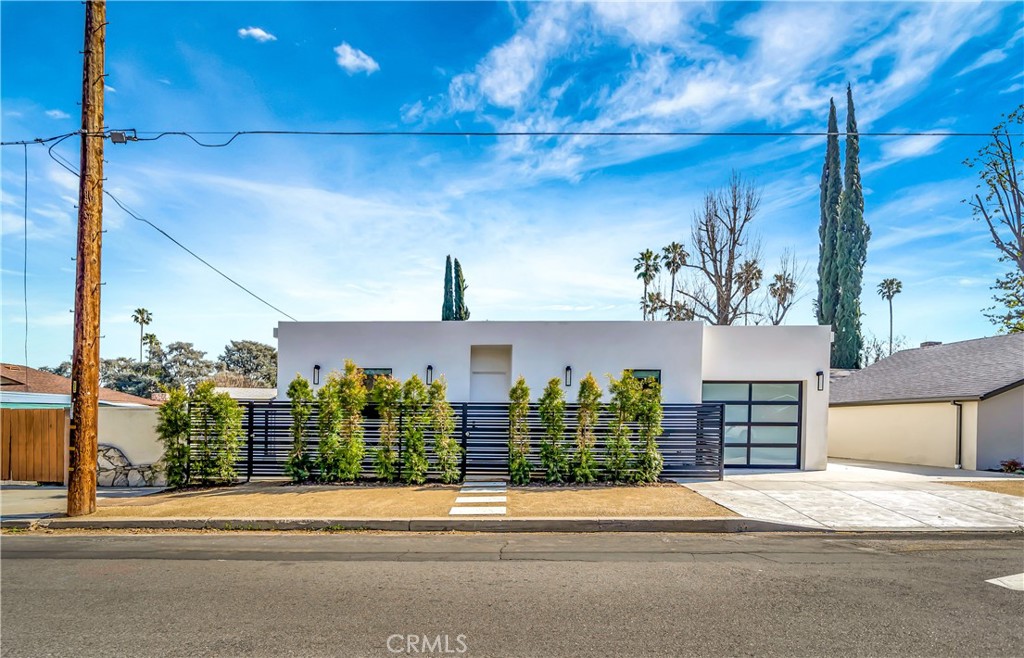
column 85, row 361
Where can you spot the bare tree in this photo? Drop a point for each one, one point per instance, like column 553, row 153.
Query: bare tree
column 719, row 238
column 1000, row 200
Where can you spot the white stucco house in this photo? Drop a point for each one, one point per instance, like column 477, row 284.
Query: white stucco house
column 954, row 405
column 771, row 379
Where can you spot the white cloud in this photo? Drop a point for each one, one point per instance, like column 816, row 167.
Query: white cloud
column 911, row 147
column 257, row 33
column 991, row 57
column 57, row 114
column 110, row 89
column 354, row 60
column 1017, row 86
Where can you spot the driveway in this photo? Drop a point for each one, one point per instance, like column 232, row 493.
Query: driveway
column 28, row 501
column 869, row 496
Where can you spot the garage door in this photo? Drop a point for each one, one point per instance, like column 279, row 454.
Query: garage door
column 762, row 422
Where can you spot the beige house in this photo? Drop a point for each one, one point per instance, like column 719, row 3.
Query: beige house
column 955, row 405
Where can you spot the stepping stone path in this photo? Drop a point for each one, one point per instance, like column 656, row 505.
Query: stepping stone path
column 478, row 498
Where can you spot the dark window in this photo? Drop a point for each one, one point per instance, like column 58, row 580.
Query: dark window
column 762, row 422
column 643, row 375
column 373, row 373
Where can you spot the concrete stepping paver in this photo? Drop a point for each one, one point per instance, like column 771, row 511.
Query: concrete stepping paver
column 481, row 499
column 473, row 511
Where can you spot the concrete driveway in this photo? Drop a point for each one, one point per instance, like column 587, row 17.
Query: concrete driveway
column 869, row 496
column 28, row 501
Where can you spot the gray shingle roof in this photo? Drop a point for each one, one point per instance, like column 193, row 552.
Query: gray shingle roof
column 966, row 370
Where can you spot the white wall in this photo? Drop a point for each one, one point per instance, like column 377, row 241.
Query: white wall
column 1001, row 428
column 540, row 351
column 783, row 353
column 133, row 430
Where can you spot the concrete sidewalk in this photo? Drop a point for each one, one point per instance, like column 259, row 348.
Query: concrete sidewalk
column 27, row 501
column 855, row 496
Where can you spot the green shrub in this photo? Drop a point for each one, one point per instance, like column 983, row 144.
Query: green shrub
column 519, row 432
column 173, row 428
column 387, row 395
column 648, row 415
column 414, row 408
column 299, row 465
column 329, row 459
column 218, row 423
column 625, row 394
column 584, row 466
column 352, row 401
column 552, row 416
column 442, row 420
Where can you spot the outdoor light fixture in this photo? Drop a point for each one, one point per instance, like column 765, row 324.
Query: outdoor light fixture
column 316, row 375
column 821, row 380
column 430, row 374
column 568, row 376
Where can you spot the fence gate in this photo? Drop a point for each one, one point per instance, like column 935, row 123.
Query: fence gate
column 32, row 444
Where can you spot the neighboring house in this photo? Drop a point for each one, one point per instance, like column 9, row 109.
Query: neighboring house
column 773, row 380
column 248, row 394
column 959, row 404
column 126, row 423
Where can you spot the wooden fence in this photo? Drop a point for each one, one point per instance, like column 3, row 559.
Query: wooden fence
column 33, row 444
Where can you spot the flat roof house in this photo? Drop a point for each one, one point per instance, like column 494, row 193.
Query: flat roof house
column 959, row 404
column 771, row 378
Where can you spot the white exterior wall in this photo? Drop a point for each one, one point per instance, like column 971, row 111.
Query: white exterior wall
column 133, row 430
column 540, row 351
column 792, row 354
column 1001, row 428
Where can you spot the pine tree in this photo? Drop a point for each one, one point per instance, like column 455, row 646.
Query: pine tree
column 831, row 187
column 448, row 306
column 461, row 311
column 851, row 247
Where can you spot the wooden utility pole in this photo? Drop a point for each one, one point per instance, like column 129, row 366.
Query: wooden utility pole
column 85, row 361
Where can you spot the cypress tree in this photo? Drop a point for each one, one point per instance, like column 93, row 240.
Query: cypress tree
column 461, row 311
column 851, row 247
column 831, row 188
column 448, row 306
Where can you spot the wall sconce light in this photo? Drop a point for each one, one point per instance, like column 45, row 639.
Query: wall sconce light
column 430, row 374
column 568, row 376
column 316, row 375
column 821, row 380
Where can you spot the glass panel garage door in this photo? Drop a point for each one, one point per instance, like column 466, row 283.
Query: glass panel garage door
column 762, row 422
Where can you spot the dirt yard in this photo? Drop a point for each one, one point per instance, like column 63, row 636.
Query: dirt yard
column 612, row 502
column 1012, row 487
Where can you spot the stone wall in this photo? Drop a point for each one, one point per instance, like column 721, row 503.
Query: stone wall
column 114, row 470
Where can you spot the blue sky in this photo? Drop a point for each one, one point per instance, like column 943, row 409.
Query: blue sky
column 331, row 228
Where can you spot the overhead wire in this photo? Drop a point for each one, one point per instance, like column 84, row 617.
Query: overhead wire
column 63, row 163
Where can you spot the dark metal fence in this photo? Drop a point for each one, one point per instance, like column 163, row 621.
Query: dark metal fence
column 691, row 443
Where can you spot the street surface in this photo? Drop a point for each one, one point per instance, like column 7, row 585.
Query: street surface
column 509, row 595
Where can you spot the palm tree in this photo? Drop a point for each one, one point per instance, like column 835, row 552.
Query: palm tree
column 888, row 289
column 673, row 257
column 647, row 267
column 749, row 278
column 151, row 342
column 655, row 302
column 781, row 289
column 142, row 317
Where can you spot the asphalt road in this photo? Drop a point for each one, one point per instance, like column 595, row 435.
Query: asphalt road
column 509, row 595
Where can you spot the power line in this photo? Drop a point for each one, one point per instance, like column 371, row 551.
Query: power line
column 59, row 160
column 233, row 135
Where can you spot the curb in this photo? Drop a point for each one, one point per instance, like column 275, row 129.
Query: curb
column 440, row 524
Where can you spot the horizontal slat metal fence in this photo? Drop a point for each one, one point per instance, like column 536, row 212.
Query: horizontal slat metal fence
column 691, row 443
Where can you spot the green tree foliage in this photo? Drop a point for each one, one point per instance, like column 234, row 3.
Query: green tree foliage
column 1008, row 313
column 448, row 306
column 648, row 416
column 461, row 310
column 673, row 258
column 329, row 459
column 154, row 350
column 351, row 400
column 442, row 420
column 142, row 317
column 217, row 432
column 414, row 408
column 519, row 432
column 255, row 361
column 173, row 427
column 852, row 248
column 553, row 457
column 888, row 289
column 387, row 395
column 129, row 376
column 830, row 189
column 646, row 265
column 186, row 366
column 625, row 395
column 299, row 465
column 588, row 400
column 63, row 369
